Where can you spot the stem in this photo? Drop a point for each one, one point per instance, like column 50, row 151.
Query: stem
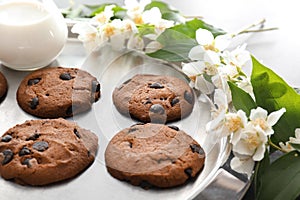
column 261, row 23
column 260, row 28
column 275, row 146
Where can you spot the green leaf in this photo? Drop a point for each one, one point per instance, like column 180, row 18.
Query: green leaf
column 163, row 7
column 168, row 55
column 272, row 93
column 145, row 29
column 95, row 9
column 241, row 99
column 173, row 17
column 189, row 28
column 119, row 12
column 260, row 169
column 180, row 39
column 167, row 12
column 281, row 179
column 176, row 46
column 295, row 146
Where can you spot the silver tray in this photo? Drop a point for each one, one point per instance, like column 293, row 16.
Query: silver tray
column 111, row 68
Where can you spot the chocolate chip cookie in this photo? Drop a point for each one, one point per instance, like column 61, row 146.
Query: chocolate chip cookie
column 154, row 155
column 3, row 86
column 58, row 92
column 40, row 152
column 154, row 98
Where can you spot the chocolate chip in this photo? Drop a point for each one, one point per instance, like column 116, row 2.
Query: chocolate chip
column 76, row 133
column 40, row 146
column 6, row 138
column 130, row 144
column 197, row 148
column 65, row 76
column 147, row 102
column 33, row 137
column 95, row 86
column 24, row 151
column 132, row 130
column 188, row 97
column 34, row 103
column 157, row 108
column 33, row 81
column 174, row 127
column 27, row 162
column 174, row 101
column 156, row 85
column 188, row 172
column 8, row 156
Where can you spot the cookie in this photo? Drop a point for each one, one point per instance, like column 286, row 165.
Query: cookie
column 58, row 92
column 3, row 86
column 154, row 98
column 40, row 152
column 154, row 155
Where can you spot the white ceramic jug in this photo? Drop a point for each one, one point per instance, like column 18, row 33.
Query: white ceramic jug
column 32, row 33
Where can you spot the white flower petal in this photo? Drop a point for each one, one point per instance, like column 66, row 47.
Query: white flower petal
column 222, row 41
column 242, row 148
column 135, row 42
column 220, row 98
column 243, row 117
column 152, row 16
column 165, row 23
column 286, row 147
column 236, row 137
column 193, row 68
column 204, row 37
column 258, row 113
column 297, row 132
column 197, row 53
column 83, row 28
column 215, row 123
column 212, row 57
column 153, row 46
column 130, row 3
column 242, row 165
column 203, row 85
column 135, row 6
column 259, row 153
column 275, row 116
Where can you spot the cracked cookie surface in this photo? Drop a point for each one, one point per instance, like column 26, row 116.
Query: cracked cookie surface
column 154, row 155
column 40, row 152
column 58, row 92
column 154, row 98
